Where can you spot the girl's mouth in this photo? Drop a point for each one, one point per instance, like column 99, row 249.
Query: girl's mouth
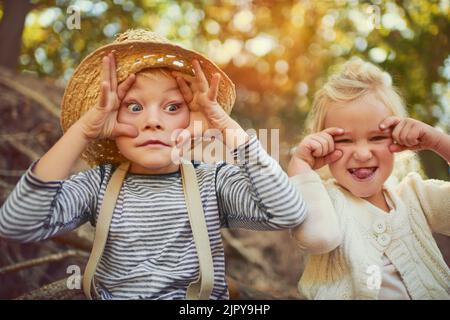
column 363, row 174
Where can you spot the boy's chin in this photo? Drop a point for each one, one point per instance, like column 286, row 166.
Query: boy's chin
column 154, row 166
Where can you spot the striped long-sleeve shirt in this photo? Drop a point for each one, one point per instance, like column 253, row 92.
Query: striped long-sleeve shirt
column 150, row 252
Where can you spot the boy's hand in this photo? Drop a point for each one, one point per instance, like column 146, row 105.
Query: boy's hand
column 411, row 134
column 202, row 100
column 315, row 151
column 101, row 120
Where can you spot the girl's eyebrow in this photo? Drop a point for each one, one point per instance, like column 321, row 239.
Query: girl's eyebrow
column 378, row 131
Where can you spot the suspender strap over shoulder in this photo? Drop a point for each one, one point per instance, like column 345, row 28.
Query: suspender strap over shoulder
column 202, row 288
column 199, row 289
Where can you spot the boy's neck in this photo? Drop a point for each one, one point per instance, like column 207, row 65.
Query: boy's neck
column 135, row 168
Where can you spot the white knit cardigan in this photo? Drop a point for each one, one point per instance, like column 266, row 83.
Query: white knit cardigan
column 421, row 207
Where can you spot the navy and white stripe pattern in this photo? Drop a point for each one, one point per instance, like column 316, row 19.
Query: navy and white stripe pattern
column 150, row 252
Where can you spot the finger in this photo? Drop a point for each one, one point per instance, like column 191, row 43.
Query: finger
column 324, row 143
column 105, row 70
column 184, row 89
column 397, row 148
column 329, row 140
column 413, row 135
column 403, row 134
column 396, row 132
column 334, row 131
column 183, row 140
column 316, row 147
column 214, row 87
column 125, row 86
column 333, row 157
column 200, row 76
column 186, row 77
column 104, row 91
column 113, row 74
column 389, row 122
column 123, row 129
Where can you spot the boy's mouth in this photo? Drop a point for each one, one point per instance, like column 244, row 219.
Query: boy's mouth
column 363, row 173
column 153, row 142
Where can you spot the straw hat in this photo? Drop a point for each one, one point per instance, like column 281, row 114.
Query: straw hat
column 134, row 50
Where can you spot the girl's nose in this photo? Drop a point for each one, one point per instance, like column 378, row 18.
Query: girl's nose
column 362, row 153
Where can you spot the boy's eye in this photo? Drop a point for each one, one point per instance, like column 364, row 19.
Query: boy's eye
column 134, row 107
column 172, row 107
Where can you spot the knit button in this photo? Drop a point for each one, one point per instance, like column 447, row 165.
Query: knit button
column 384, row 239
column 379, row 226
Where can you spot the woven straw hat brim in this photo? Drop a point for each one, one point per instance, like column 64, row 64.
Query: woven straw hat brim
column 83, row 90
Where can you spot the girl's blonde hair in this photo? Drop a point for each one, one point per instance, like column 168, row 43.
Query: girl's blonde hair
column 356, row 79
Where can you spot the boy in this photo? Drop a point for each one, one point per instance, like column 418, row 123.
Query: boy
column 150, row 251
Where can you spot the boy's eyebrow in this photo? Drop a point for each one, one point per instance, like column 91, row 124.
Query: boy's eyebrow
column 171, row 89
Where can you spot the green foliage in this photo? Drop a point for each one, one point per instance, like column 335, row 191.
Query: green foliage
column 277, row 52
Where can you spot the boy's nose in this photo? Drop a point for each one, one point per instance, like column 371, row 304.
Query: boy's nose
column 152, row 120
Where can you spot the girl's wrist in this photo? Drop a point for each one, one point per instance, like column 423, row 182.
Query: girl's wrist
column 297, row 166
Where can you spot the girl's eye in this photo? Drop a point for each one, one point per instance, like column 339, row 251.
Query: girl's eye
column 378, row 138
column 172, row 107
column 343, row 141
column 134, row 107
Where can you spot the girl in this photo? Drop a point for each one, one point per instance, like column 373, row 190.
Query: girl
column 367, row 239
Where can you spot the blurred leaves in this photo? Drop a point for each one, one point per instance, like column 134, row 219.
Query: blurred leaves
column 277, row 52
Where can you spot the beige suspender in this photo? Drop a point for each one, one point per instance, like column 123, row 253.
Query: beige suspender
column 200, row 289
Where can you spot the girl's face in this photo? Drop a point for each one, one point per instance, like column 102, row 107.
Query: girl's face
column 366, row 162
column 156, row 108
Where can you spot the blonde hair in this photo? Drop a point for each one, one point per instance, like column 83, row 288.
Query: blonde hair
column 153, row 73
column 356, row 79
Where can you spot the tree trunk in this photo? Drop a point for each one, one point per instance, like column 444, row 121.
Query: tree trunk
column 11, row 28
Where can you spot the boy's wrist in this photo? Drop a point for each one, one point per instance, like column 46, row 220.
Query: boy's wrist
column 80, row 129
column 233, row 134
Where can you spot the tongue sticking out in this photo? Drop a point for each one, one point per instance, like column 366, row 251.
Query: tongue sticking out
column 363, row 173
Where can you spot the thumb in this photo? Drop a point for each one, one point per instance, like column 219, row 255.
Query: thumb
column 396, row 148
column 332, row 157
column 183, row 139
column 122, row 129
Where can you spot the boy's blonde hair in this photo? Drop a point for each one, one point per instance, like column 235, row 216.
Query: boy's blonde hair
column 356, row 79
column 153, row 73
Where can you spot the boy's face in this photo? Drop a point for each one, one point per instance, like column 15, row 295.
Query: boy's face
column 155, row 106
column 366, row 162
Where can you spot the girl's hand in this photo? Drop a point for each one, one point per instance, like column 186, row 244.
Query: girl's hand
column 315, row 150
column 101, row 120
column 411, row 134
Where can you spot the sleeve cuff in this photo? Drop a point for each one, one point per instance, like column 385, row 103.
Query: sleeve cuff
column 248, row 151
column 309, row 176
column 35, row 181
